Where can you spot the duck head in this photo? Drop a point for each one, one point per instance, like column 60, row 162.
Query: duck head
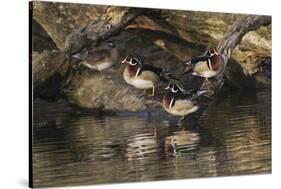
column 212, row 52
column 103, row 46
column 133, row 61
column 175, row 86
column 172, row 87
column 133, row 66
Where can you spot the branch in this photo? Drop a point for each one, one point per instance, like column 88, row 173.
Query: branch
column 116, row 20
column 238, row 29
column 231, row 39
column 54, row 72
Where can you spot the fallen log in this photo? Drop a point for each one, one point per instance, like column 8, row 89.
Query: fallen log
column 55, row 73
column 233, row 37
column 188, row 34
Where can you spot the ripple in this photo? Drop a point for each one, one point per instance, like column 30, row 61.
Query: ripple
column 233, row 137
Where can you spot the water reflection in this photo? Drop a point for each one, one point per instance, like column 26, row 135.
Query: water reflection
column 142, row 146
column 232, row 137
column 181, row 142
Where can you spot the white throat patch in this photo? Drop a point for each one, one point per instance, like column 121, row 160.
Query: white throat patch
column 138, row 71
column 171, row 103
column 210, row 64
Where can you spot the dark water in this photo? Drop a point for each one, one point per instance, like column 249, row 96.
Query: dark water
column 232, row 137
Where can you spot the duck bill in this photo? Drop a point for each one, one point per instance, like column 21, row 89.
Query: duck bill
column 125, row 60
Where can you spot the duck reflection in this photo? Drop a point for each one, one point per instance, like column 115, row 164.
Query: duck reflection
column 142, row 146
column 181, row 142
column 242, row 136
column 232, row 137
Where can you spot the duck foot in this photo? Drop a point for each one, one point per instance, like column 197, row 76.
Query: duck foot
column 155, row 132
column 144, row 92
column 180, row 121
column 153, row 91
column 206, row 83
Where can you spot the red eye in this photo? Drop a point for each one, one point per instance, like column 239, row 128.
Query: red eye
column 174, row 89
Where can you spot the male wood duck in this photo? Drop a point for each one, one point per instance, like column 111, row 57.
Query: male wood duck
column 209, row 65
column 98, row 58
column 143, row 76
column 178, row 101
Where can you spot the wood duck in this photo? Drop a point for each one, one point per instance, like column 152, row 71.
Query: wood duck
column 143, row 76
column 178, row 101
column 98, row 58
column 209, row 65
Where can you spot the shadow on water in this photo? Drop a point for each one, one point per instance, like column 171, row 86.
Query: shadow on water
column 232, row 137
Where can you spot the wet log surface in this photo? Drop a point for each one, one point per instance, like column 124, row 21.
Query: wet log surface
column 154, row 35
column 49, row 70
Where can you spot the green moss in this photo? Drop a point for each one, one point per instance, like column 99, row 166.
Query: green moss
column 265, row 32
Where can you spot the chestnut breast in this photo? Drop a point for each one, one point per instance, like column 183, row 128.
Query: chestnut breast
column 167, row 99
column 131, row 70
column 216, row 62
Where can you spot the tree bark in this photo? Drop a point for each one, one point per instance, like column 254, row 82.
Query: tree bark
column 49, row 70
column 237, row 31
column 188, row 34
column 231, row 39
column 55, row 74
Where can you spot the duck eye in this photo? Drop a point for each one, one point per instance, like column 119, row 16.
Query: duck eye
column 174, row 90
column 134, row 62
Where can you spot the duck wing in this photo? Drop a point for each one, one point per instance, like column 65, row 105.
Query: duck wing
column 183, row 104
column 164, row 76
column 97, row 56
column 154, row 69
column 189, row 96
column 195, row 60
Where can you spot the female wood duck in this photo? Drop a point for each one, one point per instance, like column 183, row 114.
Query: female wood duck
column 208, row 65
column 143, row 76
column 98, row 58
column 178, row 101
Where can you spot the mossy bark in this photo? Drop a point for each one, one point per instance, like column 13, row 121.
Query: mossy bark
column 188, row 34
column 164, row 38
column 49, row 70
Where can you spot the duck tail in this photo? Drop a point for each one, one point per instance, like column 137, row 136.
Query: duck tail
column 166, row 76
column 80, row 55
column 199, row 93
column 188, row 67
